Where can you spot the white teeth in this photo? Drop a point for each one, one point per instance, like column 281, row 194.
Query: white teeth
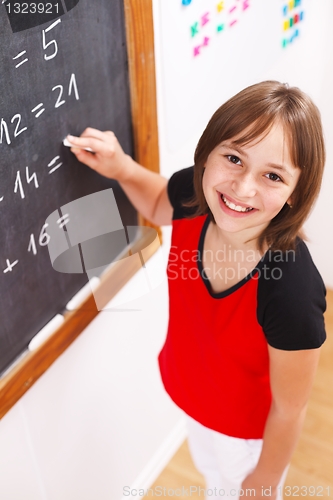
column 237, row 208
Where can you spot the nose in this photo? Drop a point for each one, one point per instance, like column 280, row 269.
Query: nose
column 244, row 186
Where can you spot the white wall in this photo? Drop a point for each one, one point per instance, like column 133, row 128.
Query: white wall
column 226, row 66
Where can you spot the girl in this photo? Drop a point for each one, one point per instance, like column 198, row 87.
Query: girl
column 246, row 300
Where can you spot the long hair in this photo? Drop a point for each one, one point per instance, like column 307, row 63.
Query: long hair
column 255, row 110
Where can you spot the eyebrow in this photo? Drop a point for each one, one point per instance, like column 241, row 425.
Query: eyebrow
column 242, row 152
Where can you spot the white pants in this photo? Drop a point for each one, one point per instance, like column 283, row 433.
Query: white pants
column 224, row 461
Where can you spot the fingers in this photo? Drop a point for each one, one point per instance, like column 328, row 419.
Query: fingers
column 107, row 151
column 97, row 134
column 98, row 146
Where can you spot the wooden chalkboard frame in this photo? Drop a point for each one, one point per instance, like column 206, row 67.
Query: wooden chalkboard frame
column 140, row 47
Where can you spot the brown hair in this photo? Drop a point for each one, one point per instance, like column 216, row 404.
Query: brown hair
column 256, row 109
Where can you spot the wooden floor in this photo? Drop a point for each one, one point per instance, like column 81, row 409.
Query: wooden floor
column 312, row 463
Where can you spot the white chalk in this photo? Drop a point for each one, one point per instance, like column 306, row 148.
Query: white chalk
column 83, row 294
column 70, row 145
column 46, row 332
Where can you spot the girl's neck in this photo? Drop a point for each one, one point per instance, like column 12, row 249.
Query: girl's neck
column 237, row 241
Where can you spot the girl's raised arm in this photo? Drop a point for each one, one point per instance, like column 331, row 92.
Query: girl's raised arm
column 146, row 190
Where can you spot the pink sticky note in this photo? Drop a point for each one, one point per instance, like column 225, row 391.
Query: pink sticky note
column 206, row 41
column 196, row 50
column 205, row 19
column 246, row 4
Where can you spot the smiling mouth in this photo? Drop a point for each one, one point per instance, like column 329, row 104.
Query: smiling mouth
column 232, row 206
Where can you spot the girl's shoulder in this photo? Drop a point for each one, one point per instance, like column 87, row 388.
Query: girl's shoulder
column 181, row 189
column 291, row 269
column 291, row 299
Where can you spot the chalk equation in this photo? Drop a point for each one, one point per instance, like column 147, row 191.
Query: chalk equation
column 43, row 239
column 7, row 133
column 12, row 127
column 47, row 56
column 64, row 68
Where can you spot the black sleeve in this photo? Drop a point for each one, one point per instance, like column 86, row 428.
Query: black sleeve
column 180, row 188
column 291, row 300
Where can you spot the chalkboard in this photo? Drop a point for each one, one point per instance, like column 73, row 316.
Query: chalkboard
column 63, row 68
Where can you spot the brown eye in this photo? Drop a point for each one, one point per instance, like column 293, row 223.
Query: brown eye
column 234, row 159
column 274, row 177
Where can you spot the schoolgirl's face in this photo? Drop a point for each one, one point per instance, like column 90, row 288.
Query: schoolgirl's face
column 246, row 186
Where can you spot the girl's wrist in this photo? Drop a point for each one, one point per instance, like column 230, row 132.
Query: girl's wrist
column 261, row 485
column 267, row 478
column 127, row 170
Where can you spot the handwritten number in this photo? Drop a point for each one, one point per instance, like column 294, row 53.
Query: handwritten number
column 18, row 185
column 17, row 131
column 72, row 84
column 43, row 240
column 59, row 102
column 18, row 181
column 52, row 42
column 4, row 128
column 32, row 245
column 31, row 178
column 44, row 237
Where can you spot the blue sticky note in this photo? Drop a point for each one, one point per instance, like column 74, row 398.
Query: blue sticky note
column 186, row 2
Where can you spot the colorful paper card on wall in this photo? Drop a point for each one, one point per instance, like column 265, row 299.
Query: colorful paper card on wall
column 223, row 15
column 293, row 15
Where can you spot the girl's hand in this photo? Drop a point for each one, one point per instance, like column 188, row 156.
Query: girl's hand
column 262, row 489
column 107, row 159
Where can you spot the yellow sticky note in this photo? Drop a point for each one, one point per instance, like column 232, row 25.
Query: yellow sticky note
column 220, row 6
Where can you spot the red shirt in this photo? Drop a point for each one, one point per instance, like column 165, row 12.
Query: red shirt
column 215, row 364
